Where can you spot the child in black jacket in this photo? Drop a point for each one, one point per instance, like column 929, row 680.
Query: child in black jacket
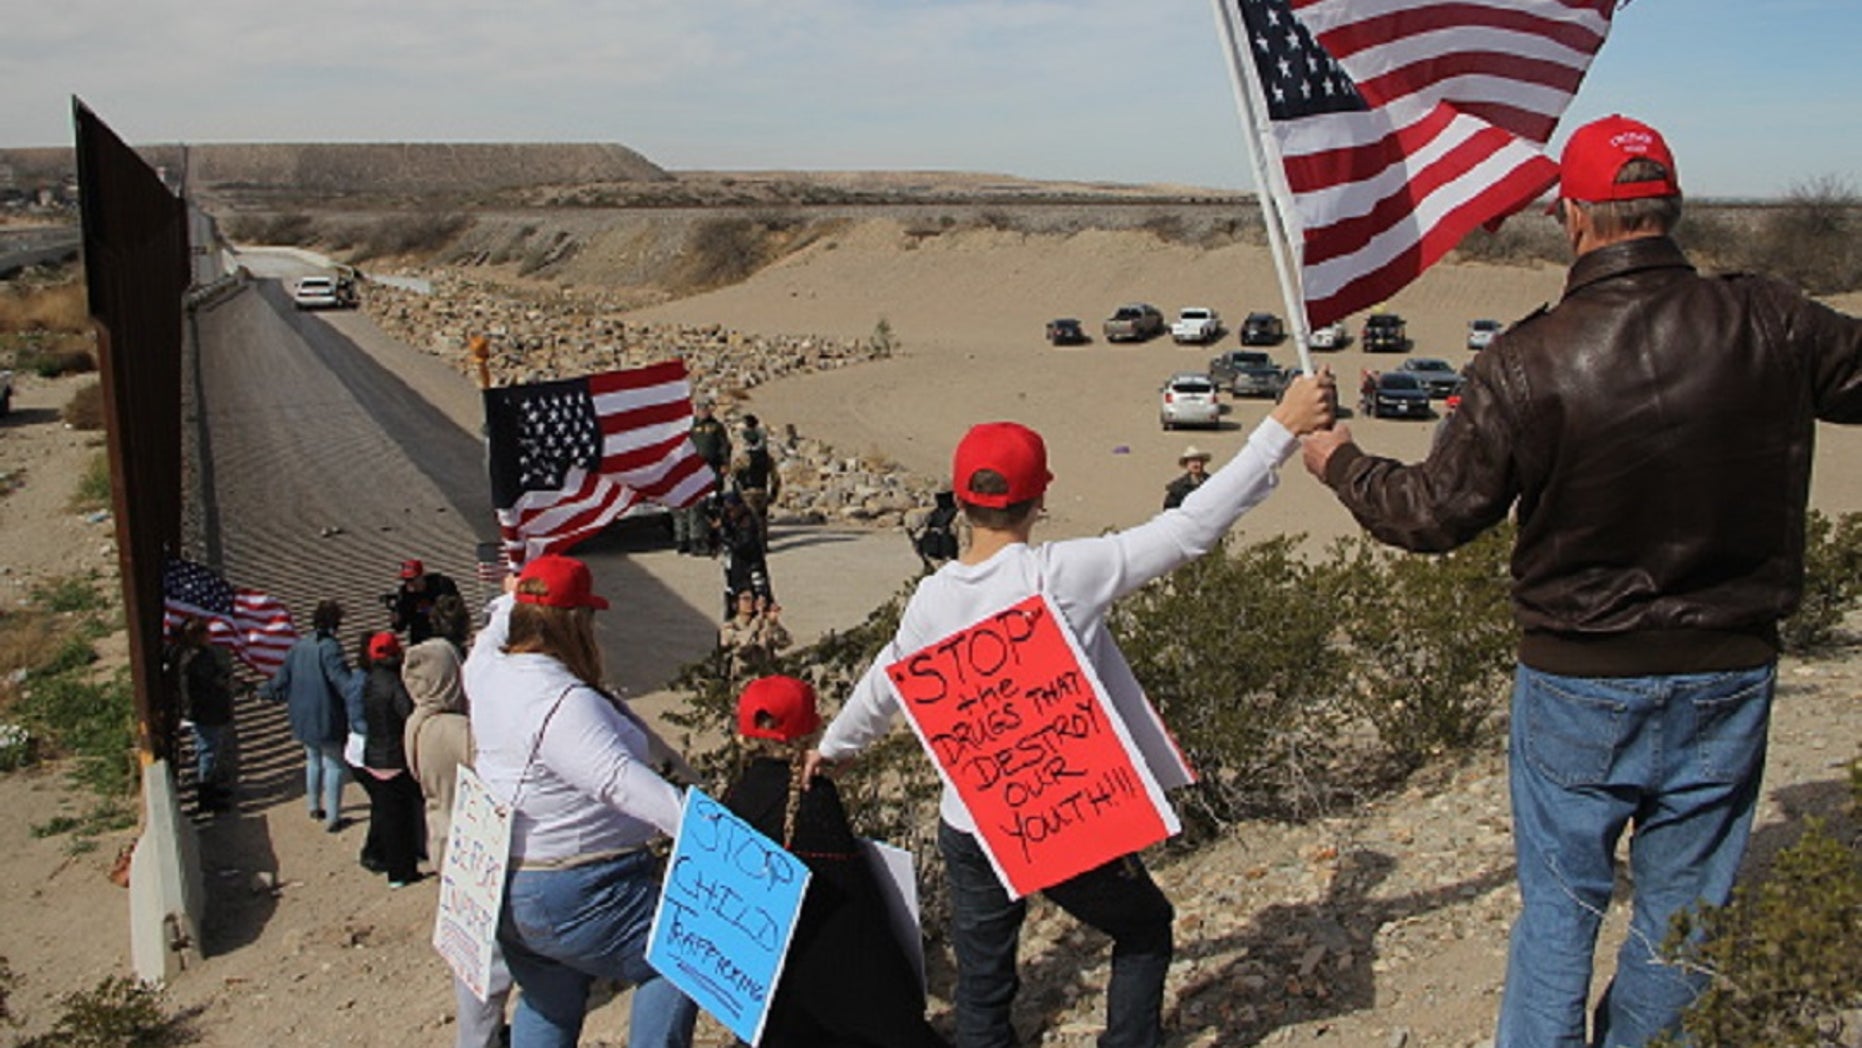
column 847, row 982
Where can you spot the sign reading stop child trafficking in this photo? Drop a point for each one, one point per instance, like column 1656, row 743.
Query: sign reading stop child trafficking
column 1022, row 729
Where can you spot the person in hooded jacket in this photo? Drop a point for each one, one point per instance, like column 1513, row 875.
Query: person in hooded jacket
column 438, row 737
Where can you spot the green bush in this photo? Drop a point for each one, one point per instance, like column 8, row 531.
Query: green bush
column 1781, row 957
column 1832, row 582
column 1238, row 653
column 95, row 721
column 1431, row 640
column 70, row 593
column 118, row 1012
column 93, row 490
column 56, row 363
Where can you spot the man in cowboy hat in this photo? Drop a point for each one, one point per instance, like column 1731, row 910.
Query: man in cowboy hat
column 1195, row 463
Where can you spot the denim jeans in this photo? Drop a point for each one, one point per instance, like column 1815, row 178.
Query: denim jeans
column 323, row 779
column 1117, row 898
column 1679, row 758
column 209, row 750
column 563, row 929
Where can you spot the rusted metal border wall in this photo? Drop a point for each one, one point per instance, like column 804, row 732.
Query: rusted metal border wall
column 136, row 267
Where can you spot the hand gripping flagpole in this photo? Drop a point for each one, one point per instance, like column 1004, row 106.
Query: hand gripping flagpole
column 1270, row 185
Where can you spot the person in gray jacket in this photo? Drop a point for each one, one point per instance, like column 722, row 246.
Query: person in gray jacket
column 311, row 684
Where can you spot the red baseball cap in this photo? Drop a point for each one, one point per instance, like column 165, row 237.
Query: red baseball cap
column 778, row 708
column 412, row 569
column 566, row 583
column 384, row 645
column 1597, row 151
column 1010, row 449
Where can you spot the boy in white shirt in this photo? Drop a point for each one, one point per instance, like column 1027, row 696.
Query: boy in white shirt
column 1000, row 477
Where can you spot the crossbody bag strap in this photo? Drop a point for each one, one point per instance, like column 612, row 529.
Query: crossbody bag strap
column 536, row 745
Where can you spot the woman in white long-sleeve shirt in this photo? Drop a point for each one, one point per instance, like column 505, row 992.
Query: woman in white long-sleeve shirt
column 570, row 760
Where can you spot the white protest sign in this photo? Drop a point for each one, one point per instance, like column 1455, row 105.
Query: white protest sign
column 478, row 854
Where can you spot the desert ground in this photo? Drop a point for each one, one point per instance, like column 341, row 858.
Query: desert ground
column 1379, row 927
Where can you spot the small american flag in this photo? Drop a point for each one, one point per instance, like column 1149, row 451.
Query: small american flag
column 569, row 456
column 1395, row 127
column 494, row 562
column 255, row 626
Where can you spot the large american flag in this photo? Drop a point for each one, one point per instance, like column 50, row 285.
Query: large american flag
column 255, row 626
column 1396, row 127
column 569, row 456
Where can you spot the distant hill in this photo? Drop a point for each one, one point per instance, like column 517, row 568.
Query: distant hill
column 348, row 168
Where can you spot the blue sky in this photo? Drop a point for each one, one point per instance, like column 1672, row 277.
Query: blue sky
column 1754, row 96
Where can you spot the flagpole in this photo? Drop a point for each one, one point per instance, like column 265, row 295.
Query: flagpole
column 1251, row 105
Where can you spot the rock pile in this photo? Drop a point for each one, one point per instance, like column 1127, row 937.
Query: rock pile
column 536, row 337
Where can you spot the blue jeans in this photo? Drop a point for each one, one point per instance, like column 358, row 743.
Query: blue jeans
column 1680, row 758
column 563, row 929
column 1118, row 899
column 324, row 771
column 209, row 747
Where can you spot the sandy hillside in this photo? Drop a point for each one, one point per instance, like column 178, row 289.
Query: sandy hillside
column 969, row 309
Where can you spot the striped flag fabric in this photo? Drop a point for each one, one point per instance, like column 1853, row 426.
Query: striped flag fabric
column 1396, row 127
column 256, row 627
column 493, row 562
column 569, row 456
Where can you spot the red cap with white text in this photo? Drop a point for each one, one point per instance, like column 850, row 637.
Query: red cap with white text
column 1597, row 152
column 1010, row 449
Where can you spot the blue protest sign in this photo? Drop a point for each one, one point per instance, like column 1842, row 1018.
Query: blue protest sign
column 727, row 911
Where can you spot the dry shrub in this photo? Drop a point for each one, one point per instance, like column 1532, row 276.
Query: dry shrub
column 418, row 234
column 25, row 636
column 1811, row 240
column 1520, row 241
column 64, row 307
column 85, row 408
column 288, row 228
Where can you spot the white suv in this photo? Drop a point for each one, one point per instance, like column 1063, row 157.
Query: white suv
column 314, row 293
column 1188, row 399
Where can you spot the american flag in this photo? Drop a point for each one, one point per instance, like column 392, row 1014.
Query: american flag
column 1396, row 127
column 255, row 626
column 494, row 562
column 569, row 456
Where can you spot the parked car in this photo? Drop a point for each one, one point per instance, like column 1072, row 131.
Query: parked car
column 1481, row 333
column 1332, row 336
column 1262, row 329
column 1134, row 322
column 1439, row 377
column 1188, row 398
column 1399, row 394
column 1385, row 333
column 6, row 392
column 1196, row 324
column 315, row 293
column 1066, row 331
column 1247, row 373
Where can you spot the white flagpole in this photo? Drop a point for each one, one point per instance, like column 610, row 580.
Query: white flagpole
column 1270, row 186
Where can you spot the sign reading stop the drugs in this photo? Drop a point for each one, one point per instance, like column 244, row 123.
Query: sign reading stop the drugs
column 1022, row 730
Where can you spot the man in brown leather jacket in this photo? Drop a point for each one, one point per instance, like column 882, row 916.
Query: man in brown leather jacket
column 1653, row 434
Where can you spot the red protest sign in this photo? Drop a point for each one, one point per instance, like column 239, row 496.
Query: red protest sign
column 1020, row 727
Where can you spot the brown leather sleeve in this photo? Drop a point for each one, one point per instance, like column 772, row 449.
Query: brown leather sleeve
column 1465, row 486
